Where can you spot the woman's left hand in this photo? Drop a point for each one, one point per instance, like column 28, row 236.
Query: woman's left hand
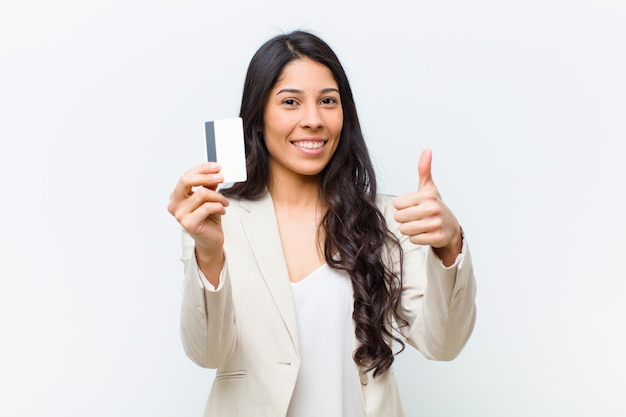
column 425, row 218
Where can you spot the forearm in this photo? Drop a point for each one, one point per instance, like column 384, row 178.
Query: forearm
column 449, row 305
column 207, row 318
column 439, row 306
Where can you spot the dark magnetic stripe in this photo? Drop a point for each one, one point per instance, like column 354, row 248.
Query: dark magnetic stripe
column 209, row 130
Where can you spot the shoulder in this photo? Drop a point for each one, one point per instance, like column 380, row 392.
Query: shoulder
column 241, row 209
column 384, row 202
column 247, row 205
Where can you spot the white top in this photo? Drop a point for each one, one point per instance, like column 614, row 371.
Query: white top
column 328, row 383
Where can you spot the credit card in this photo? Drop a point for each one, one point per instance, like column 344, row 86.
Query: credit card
column 224, row 144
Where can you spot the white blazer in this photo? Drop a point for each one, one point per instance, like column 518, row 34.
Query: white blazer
column 247, row 328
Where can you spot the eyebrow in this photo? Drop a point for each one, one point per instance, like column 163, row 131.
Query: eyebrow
column 296, row 91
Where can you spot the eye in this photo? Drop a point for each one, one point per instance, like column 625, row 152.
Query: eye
column 328, row 101
column 290, row 102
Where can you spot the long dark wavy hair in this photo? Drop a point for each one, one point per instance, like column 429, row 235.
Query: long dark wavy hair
column 354, row 226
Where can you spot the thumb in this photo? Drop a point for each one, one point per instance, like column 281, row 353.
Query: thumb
column 423, row 168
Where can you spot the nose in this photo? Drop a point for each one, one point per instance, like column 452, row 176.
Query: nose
column 311, row 117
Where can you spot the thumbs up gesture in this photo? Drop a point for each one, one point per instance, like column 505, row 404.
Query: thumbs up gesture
column 426, row 219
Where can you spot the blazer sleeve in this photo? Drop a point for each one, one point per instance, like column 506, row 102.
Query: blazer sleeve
column 438, row 302
column 207, row 319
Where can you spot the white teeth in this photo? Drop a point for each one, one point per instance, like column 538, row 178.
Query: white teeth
column 309, row 144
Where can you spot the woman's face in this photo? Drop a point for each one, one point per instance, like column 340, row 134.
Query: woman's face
column 302, row 119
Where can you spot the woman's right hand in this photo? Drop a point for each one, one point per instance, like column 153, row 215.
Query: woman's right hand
column 198, row 207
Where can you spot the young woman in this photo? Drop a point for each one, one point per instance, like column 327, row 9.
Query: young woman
column 301, row 283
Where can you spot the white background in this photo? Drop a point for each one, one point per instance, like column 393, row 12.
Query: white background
column 102, row 107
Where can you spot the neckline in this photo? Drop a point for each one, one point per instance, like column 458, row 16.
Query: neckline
column 307, row 277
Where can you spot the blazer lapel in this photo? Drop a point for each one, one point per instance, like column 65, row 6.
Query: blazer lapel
column 261, row 228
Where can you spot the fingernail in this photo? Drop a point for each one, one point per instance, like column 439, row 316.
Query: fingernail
column 218, row 177
column 213, row 165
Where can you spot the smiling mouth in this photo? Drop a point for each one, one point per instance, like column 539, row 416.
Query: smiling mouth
column 309, row 144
